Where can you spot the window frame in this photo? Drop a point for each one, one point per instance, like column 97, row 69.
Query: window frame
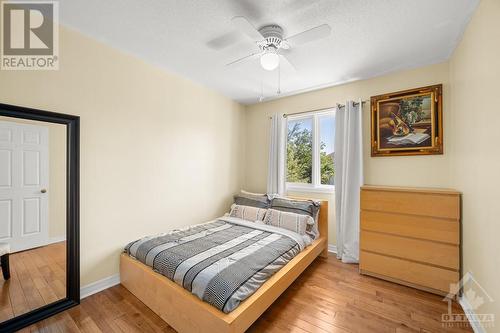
column 315, row 185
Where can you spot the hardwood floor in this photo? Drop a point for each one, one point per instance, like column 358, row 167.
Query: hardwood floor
column 38, row 277
column 328, row 297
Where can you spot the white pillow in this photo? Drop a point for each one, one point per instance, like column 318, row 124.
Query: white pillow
column 252, row 193
column 247, row 212
column 290, row 221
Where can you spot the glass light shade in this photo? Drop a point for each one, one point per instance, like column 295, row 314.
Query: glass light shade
column 269, row 61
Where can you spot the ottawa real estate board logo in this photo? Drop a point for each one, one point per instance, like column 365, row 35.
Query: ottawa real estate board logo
column 30, row 35
column 471, row 296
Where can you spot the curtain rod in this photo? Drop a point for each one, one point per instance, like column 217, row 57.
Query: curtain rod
column 338, row 105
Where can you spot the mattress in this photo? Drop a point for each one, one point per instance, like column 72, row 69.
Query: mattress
column 222, row 262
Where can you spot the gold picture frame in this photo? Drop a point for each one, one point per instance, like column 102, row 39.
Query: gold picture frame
column 408, row 122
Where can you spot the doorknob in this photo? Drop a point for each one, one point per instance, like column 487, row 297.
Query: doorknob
column 43, row 190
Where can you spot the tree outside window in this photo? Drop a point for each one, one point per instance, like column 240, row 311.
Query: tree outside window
column 310, row 152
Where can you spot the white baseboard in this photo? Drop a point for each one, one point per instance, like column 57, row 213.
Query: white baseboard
column 332, row 248
column 469, row 312
column 57, row 239
column 100, row 285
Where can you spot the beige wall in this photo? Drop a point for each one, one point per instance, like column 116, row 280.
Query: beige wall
column 153, row 145
column 475, row 75
column 401, row 171
column 57, row 176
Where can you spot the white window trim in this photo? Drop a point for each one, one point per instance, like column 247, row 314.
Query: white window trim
column 316, row 186
column 306, row 188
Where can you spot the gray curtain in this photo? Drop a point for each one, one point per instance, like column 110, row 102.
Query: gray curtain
column 348, row 179
column 277, row 147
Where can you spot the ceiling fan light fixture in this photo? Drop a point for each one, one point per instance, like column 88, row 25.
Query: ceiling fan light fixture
column 270, row 60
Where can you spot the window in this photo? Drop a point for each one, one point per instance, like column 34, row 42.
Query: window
column 310, row 151
column 299, row 151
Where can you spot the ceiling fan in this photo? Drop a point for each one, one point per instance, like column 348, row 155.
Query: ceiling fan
column 271, row 41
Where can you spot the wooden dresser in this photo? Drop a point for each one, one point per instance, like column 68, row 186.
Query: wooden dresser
column 411, row 236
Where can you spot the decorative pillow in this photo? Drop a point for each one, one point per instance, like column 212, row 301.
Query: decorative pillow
column 290, row 221
column 247, row 213
column 252, row 199
column 303, row 207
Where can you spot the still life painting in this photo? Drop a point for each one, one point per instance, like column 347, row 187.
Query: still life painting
column 407, row 122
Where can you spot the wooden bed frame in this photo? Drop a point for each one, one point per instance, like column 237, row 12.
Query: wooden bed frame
column 187, row 313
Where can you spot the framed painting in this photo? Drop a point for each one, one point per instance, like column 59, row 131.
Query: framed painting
column 408, row 122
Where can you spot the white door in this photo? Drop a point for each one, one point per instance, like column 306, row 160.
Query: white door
column 24, row 179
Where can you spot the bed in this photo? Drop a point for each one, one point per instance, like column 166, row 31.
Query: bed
column 185, row 312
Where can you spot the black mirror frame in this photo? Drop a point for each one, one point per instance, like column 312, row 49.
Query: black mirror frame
column 72, row 215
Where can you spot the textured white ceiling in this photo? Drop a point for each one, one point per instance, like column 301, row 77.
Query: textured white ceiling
column 369, row 38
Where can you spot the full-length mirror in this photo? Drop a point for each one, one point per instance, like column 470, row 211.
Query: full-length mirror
column 37, row 215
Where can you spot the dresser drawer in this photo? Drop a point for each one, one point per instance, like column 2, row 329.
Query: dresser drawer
column 426, row 252
column 434, row 229
column 414, row 274
column 412, row 203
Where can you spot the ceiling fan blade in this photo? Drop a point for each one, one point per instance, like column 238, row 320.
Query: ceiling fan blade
column 287, row 64
column 242, row 24
column 316, row 33
column 248, row 57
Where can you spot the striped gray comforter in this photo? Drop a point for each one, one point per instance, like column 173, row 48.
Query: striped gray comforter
column 222, row 262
